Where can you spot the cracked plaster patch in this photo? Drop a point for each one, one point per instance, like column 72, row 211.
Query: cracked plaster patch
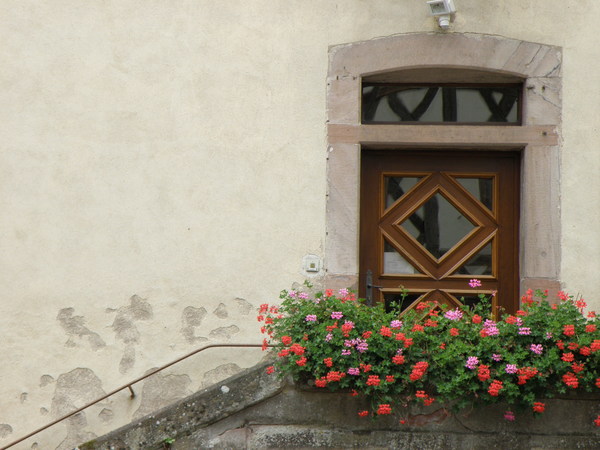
column 126, row 330
column 5, row 430
column 219, row 373
column 123, row 325
column 192, row 318
column 128, row 359
column 106, row 415
column 221, row 311
column 75, row 328
column 224, row 333
column 73, row 390
column 244, row 306
column 45, row 380
column 161, row 390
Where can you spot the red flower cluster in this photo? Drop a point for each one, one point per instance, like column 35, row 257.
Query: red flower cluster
column 597, row 421
column 595, row 346
column 328, row 362
column 297, row 349
column 335, row 376
column 365, row 367
column 363, row 413
column 454, row 332
column 346, row 329
column 577, row 367
column 539, row 407
column 418, row 370
column 270, row 370
column 495, row 388
column 570, row 380
column 384, row 409
column 367, row 334
column 527, row 299
column 567, row 357
column 526, row 373
column 321, row 382
column 568, row 330
column 389, row 378
column 286, row 340
column 476, row 318
column 330, row 328
column 418, row 327
column 373, row 380
column 590, row 328
column 301, row 361
column 430, row 323
column 511, row 319
column 483, row 372
column 398, row 359
column 598, row 383
column 385, row 331
column 427, row 400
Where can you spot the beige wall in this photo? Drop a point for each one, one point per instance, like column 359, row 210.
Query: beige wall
column 160, row 159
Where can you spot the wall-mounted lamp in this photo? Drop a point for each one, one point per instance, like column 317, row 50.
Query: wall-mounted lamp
column 444, row 10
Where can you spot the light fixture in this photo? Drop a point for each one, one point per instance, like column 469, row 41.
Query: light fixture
column 443, row 10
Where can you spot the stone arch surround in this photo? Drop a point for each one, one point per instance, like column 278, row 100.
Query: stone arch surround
column 538, row 65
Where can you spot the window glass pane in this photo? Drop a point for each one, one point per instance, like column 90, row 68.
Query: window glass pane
column 403, row 300
column 394, row 263
column 480, row 264
column 393, row 103
column 396, row 187
column 480, row 188
column 437, row 225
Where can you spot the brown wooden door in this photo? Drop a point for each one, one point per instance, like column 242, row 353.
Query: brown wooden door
column 432, row 220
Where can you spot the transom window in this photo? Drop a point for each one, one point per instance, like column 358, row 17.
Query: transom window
column 430, row 103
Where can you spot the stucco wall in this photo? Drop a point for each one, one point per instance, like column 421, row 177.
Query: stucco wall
column 162, row 173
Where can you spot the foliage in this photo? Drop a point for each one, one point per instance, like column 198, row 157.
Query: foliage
column 456, row 358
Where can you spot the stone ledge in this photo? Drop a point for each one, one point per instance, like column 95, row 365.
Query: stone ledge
column 256, row 410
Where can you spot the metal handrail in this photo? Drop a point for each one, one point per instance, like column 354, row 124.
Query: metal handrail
column 131, row 383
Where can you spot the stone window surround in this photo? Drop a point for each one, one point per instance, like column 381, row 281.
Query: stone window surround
column 538, row 65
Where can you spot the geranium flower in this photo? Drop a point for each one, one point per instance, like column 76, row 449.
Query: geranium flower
column 539, row 407
column 384, row 409
column 472, row 362
column 453, row 314
column 311, row 318
column 510, row 416
column 536, row 348
column 373, row 380
column 474, row 283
